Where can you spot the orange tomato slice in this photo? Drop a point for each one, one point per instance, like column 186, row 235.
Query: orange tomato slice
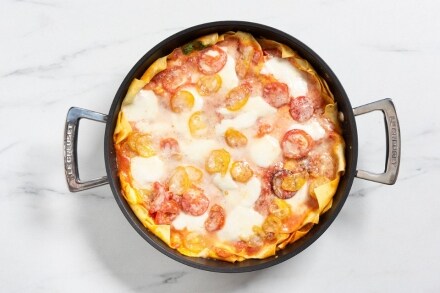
column 182, row 101
column 198, row 124
column 208, row 85
column 218, row 161
column 237, row 98
column 241, row 171
column 235, row 138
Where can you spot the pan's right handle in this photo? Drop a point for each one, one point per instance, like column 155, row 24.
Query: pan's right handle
column 70, row 149
column 392, row 130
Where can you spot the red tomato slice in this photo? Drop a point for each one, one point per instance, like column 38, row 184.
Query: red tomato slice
column 296, row 144
column 216, row 219
column 174, row 77
column 276, row 94
column 212, row 60
column 194, row 202
column 167, row 213
column 301, row 108
column 160, row 195
column 170, row 147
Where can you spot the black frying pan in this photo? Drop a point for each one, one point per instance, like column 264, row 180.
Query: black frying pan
column 349, row 133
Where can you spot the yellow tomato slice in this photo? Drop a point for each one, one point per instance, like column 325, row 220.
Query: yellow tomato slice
column 241, row 171
column 295, row 181
column 198, row 124
column 142, row 144
column 194, row 174
column 208, row 85
column 179, row 181
column 237, row 98
column 218, row 161
column 182, row 101
column 235, row 138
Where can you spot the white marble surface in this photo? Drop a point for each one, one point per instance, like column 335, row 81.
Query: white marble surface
column 58, row 54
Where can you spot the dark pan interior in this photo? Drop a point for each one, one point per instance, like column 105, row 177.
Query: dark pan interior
column 349, row 128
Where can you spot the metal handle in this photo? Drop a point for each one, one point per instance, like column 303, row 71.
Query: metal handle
column 392, row 130
column 70, row 149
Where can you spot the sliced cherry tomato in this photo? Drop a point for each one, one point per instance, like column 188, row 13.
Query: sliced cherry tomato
column 218, row 161
column 301, row 108
column 276, row 94
column 237, row 98
column 216, row 219
column 241, row 171
column 144, row 147
column 294, row 182
column 235, row 138
column 160, row 195
column 141, row 144
column 167, row 213
column 179, row 181
column 285, row 183
column 194, row 202
column 170, row 147
column 182, row 101
column 198, row 124
column 212, row 60
column 296, row 144
column 194, row 174
column 208, row 85
column 263, row 129
column 173, row 78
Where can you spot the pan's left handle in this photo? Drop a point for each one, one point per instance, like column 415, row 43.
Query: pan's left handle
column 70, row 149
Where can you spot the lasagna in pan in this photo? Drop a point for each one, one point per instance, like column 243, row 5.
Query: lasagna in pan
column 229, row 147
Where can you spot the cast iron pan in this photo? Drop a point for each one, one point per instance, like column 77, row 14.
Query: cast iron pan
column 349, row 133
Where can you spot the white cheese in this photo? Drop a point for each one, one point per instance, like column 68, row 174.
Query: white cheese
column 195, row 151
column 228, row 75
column 144, row 107
column 146, row 170
column 192, row 223
column 285, row 72
column 255, row 107
column 239, row 223
column 312, row 127
column 224, row 182
column 264, row 151
column 240, row 214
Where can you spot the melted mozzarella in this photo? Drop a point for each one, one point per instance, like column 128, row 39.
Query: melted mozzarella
column 264, row 151
column 224, row 182
column 144, row 106
column 228, row 74
column 239, row 224
column 240, row 214
column 285, row 72
column 312, row 127
column 195, row 151
column 192, row 223
column 255, row 107
column 146, row 170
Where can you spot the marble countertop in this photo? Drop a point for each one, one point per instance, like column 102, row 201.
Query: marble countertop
column 58, row 54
